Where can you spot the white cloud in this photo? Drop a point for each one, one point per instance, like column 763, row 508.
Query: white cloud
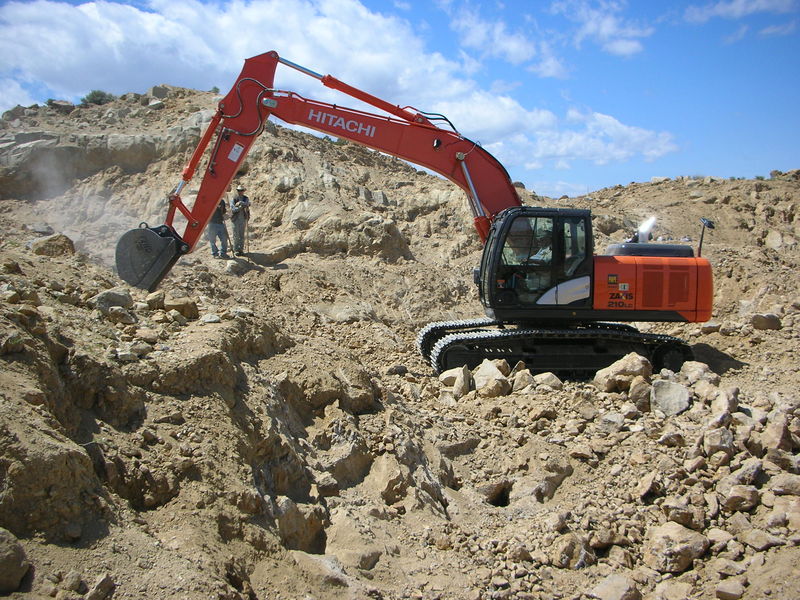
column 600, row 23
column 556, row 189
column 119, row 48
column 548, row 65
column 777, row 30
column 598, row 138
column 485, row 117
column 737, row 35
column 492, row 38
column 736, row 9
column 622, row 47
column 13, row 94
column 538, row 139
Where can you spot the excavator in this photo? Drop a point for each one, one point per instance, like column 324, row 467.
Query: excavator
column 549, row 300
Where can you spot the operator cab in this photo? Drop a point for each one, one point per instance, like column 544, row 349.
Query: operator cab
column 537, row 258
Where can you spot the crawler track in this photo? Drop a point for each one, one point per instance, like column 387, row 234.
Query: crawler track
column 575, row 351
column 433, row 332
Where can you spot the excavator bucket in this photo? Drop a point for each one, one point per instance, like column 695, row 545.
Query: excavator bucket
column 145, row 255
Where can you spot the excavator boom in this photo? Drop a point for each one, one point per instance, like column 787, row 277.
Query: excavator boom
column 145, row 255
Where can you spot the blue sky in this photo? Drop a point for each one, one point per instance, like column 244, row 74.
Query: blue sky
column 571, row 95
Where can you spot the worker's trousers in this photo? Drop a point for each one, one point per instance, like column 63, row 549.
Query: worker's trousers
column 217, row 231
column 239, row 229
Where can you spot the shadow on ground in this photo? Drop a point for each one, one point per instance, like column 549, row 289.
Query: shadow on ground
column 719, row 361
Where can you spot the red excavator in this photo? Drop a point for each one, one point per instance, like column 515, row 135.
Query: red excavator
column 546, row 295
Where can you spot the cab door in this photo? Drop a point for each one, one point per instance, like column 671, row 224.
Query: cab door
column 572, row 264
column 525, row 269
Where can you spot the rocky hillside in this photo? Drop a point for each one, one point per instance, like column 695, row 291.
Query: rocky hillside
column 263, row 427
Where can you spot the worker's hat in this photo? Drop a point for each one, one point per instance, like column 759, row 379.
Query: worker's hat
column 239, row 188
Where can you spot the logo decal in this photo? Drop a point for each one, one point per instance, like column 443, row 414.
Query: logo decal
column 337, row 122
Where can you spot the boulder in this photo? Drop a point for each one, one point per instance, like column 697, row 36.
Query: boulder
column 618, row 376
column 14, row 564
column 669, row 397
column 388, row 478
column 571, row 551
column 118, row 296
column 301, row 526
column 185, row 306
column 522, row 379
column 346, row 542
column 765, row 321
column 616, row 587
column 53, row 245
column 671, row 548
column 490, row 381
column 550, row 380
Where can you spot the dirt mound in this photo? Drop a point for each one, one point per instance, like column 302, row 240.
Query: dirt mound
column 264, row 428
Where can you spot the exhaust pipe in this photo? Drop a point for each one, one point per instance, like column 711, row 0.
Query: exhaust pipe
column 709, row 225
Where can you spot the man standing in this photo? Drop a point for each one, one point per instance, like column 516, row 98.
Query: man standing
column 217, row 230
column 240, row 215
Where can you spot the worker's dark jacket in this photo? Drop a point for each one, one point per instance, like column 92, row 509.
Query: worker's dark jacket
column 219, row 214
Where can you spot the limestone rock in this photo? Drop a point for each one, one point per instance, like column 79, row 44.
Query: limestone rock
column 718, row 439
column 765, row 322
column 53, row 245
column 118, row 296
column 785, row 484
column 155, row 300
column 759, row 539
column 522, row 379
column 13, row 562
column 388, row 478
column 695, row 371
column 324, row 568
column 671, row 548
column 345, row 454
column 616, row 587
column 570, row 551
column 102, row 588
column 185, row 306
column 618, row 376
column 490, row 380
column 346, row 542
column 301, row 526
column 741, row 497
column 639, row 393
column 550, row 380
column 729, row 589
column 458, row 379
column 669, row 397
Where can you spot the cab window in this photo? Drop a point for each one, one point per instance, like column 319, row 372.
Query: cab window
column 529, row 242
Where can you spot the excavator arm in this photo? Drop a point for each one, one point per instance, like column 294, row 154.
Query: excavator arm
column 145, row 255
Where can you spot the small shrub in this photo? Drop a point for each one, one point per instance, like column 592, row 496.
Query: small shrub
column 98, row 97
column 215, row 90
